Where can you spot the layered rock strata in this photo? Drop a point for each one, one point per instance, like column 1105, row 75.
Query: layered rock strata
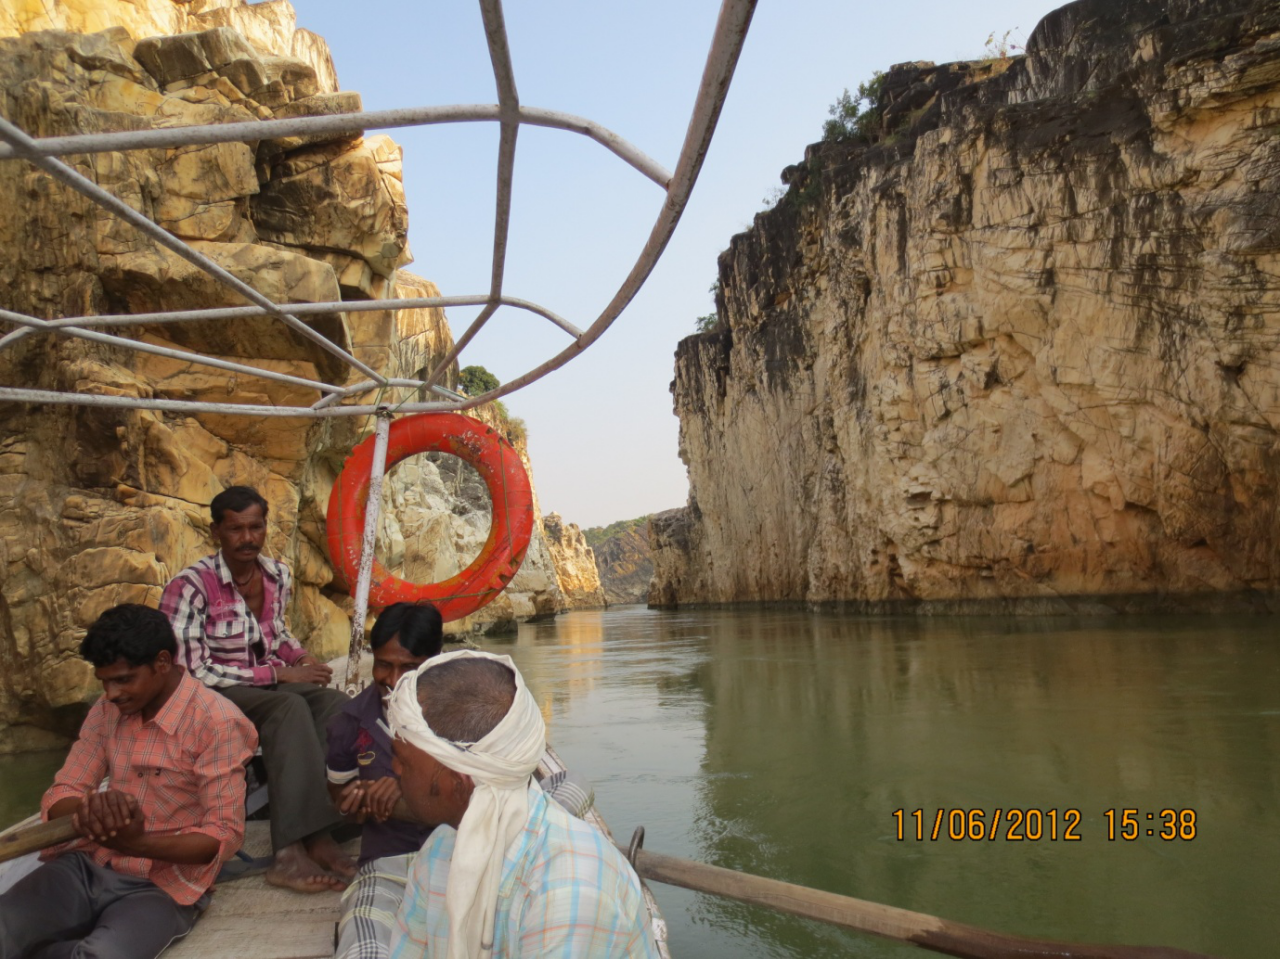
column 575, row 563
column 270, row 27
column 1020, row 348
column 624, row 561
column 100, row 506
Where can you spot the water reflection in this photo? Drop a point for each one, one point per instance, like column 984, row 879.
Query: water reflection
column 780, row 742
column 23, row 780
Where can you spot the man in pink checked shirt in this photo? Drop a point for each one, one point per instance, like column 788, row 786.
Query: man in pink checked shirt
column 228, row 612
column 152, row 842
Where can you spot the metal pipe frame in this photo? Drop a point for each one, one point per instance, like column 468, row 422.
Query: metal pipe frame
column 82, row 184
column 28, row 322
column 338, row 124
column 372, row 513
column 730, row 33
column 298, row 309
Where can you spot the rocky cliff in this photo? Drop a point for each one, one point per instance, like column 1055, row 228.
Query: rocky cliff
column 1018, row 347
column 622, row 557
column 103, row 506
column 575, row 563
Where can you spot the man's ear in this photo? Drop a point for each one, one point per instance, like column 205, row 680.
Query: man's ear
column 163, row 662
column 463, row 786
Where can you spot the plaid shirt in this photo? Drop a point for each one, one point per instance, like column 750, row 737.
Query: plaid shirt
column 185, row 768
column 220, row 641
column 565, row 891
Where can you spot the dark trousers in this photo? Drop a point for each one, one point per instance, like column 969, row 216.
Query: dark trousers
column 72, row 908
column 292, row 721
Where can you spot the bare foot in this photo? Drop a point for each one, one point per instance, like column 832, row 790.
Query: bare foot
column 329, row 855
column 294, row 869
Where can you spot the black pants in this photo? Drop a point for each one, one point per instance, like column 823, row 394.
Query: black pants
column 292, row 721
column 72, row 908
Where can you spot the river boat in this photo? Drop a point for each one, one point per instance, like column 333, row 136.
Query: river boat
column 250, row 919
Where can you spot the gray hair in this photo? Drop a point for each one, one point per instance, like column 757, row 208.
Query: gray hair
column 463, row 700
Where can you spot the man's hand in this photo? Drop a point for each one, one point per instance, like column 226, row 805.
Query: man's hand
column 350, row 800
column 362, row 799
column 381, row 796
column 305, row 672
column 111, row 818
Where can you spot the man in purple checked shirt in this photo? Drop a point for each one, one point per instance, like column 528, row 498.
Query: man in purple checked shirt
column 228, row 611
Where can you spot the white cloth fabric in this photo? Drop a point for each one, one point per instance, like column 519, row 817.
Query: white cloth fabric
column 500, row 765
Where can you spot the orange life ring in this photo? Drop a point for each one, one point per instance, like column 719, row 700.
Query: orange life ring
column 498, row 464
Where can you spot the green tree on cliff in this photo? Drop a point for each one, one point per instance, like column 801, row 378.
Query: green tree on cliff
column 476, row 380
column 855, row 118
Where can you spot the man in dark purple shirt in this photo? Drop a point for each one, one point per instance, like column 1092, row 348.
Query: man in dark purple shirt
column 363, row 786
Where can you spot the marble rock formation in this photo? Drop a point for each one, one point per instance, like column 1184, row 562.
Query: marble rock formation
column 575, row 564
column 1018, row 348
column 271, row 27
column 100, row 506
column 624, row 562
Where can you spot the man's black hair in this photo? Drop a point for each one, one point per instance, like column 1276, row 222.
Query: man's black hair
column 137, row 634
column 237, row 499
column 463, row 700
column 418, row 626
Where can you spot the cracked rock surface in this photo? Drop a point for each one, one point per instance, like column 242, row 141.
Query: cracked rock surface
column 1019, row 349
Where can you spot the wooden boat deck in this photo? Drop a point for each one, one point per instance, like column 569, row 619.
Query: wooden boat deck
column 252, row 920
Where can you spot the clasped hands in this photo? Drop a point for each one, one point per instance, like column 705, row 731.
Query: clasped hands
column 110, row 818
column 370, row 799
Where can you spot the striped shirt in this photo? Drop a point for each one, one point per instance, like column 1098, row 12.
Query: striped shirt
column 185, row 767
column 565, row 891
column 220, row 641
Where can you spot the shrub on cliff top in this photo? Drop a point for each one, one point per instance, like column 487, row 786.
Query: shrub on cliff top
column 855, row 118
column 1001, row 47
column 517, row 430
column 598, row 534
column 708, row 321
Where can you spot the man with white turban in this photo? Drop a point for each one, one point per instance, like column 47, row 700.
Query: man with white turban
column 507, row 874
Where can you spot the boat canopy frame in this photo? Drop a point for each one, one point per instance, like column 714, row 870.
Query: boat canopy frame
column 45, row 154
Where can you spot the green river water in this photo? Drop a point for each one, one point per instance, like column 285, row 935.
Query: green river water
column 781, row 742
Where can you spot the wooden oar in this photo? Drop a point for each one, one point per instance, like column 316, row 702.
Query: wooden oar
column 930, row 932
column 46, row 834
column 37, row 837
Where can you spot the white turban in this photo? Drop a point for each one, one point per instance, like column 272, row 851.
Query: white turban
column 500, row 765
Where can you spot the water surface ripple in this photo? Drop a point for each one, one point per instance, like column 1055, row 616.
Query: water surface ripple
column 780, row 742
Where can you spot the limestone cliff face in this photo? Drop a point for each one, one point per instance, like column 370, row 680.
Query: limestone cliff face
column 575, row 564
column 1023, row 347
column 622, row 556
column 103, row 506
column 270, row 27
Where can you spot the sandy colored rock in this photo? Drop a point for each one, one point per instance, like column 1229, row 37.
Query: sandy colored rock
column 338, row 197
column 1018, row 352
column 270, row 27
column 575, row 563
column 100, row 506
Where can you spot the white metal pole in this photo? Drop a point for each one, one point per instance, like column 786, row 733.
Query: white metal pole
column 372, row 511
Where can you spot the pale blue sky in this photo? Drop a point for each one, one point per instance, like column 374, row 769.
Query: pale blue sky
column 603, row 437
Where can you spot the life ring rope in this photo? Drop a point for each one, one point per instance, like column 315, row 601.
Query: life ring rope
column 510, row 528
